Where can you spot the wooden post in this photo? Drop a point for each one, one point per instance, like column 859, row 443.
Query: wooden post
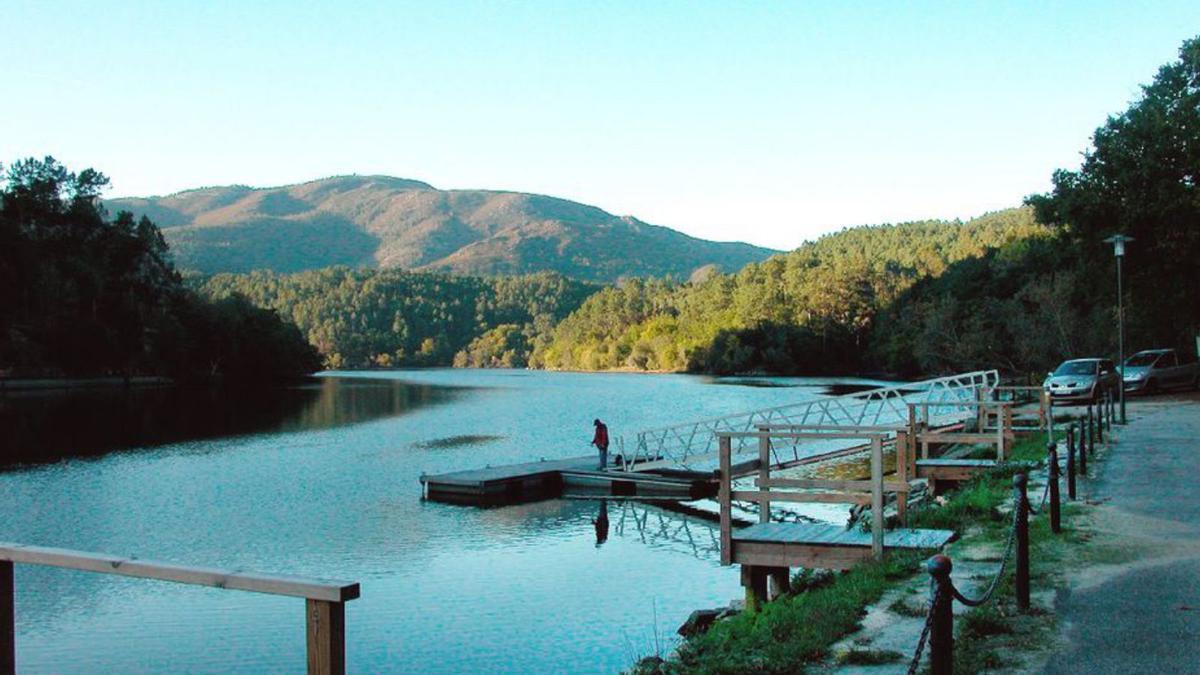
column 764, row 475
column 754, row 580
column 902, row 474
column 326, row 637
column 8, row 620
column 723, row 487
column 1001, row 418
column 1043, row 408
column 877, row 497
column 780, row 581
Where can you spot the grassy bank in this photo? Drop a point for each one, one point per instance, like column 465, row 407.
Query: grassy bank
column 796, row 632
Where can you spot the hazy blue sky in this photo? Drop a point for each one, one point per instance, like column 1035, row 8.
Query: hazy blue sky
column 769, row 122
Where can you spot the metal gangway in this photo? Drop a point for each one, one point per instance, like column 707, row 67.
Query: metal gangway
column 694, row 444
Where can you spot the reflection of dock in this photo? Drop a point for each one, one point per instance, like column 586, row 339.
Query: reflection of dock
column 544, row 479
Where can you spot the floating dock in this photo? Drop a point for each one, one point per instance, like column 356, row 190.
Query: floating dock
column 548, row 479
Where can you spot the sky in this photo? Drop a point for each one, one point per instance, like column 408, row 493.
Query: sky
column 767, row 122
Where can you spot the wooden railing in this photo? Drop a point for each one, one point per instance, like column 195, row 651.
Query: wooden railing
column 1000, row 435
column 861, row 492
column 325, row 600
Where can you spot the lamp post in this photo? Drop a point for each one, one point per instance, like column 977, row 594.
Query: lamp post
column 1118, row 242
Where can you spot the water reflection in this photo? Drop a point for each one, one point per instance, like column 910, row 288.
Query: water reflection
column 47, row 426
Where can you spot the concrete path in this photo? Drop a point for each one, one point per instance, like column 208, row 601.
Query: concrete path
column 1145, row 618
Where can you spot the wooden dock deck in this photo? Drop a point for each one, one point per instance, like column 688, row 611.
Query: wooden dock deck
column 546, row 479
column 821, row 545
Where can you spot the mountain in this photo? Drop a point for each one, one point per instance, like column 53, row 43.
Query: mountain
column 380, row 221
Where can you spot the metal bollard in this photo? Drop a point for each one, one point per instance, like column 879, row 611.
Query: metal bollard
column 1091, row 431
column 1020, row 483
column 1100, row 423
column 941, row 633
column 1070, row 464
column 1055, row 516
column 1083, row 452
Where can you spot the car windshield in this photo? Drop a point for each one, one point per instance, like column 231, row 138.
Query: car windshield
column 1077, row 368
column 1141, row 360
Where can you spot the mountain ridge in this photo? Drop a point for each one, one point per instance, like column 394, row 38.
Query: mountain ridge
column 389, row 222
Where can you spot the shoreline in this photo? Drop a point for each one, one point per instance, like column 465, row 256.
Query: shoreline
column 105, row 382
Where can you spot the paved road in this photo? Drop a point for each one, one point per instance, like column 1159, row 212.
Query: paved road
column 1147, row 619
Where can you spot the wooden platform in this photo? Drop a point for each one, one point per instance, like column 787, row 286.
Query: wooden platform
column 819, row 545
column 530, row 481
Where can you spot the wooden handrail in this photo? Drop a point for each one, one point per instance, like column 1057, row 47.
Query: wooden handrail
column 325, row 598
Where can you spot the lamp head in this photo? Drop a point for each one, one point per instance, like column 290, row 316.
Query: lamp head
column 1118, row 242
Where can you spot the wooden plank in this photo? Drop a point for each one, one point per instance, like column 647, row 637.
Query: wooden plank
column 827, row 534
column 799, row 555
column 8, row 620
column 315, row 589
column 973, row 463
column 802, row 497
column 936, row 437
column 326, row 637
column 827, row 484
column 723, row 499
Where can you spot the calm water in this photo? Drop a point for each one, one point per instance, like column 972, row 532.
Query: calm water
column 322, row 480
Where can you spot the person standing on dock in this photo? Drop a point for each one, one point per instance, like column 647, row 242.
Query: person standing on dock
column 600, row 440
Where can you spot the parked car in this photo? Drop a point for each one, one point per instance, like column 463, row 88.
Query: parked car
column 1153, row 369
column 1082, row 380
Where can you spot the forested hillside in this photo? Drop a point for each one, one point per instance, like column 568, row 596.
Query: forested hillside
column 1031, row 303
column 85, row 295
column 809, row 311
column 393, row 223
column 361, row 318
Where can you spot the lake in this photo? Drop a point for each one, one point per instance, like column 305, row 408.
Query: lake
column 322, row 480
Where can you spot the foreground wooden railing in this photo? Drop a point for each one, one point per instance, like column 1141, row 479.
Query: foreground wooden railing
column 325, row 600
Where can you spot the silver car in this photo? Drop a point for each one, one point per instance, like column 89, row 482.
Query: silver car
column 1153, row 369
column 1082, row 380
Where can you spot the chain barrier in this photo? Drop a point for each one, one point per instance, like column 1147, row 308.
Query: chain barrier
column 992, row 586
column 1008, row 549
column 916, row 659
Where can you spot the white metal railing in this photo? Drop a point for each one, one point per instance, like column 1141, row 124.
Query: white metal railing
column 685, row 445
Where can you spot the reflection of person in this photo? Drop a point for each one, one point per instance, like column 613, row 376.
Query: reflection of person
column 600, row 440
column 601, row 523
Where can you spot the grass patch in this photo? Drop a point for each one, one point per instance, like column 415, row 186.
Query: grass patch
column 794, row 631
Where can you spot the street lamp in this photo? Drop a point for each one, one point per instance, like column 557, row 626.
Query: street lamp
column 1118, row 242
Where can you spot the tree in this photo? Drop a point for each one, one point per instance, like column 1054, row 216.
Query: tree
column 1142, row 178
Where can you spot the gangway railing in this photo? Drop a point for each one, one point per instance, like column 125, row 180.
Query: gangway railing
column 693, row 443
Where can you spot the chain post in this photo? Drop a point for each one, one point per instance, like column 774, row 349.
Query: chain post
column 1091, row 431
column 1055, row 515
column 941, row 635
column 1100, row 423
column 1020, row 484
column 1082, row 452
column 1070, row 465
